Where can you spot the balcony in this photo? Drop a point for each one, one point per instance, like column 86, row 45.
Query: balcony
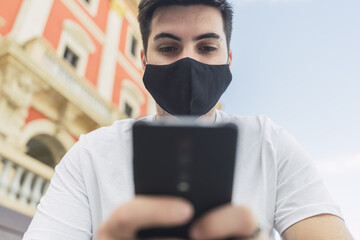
column 34, row 77
column 23, row 180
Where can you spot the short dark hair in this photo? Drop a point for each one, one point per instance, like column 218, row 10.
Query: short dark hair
column 148, row 7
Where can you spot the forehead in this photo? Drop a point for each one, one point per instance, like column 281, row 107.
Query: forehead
column 193, row 18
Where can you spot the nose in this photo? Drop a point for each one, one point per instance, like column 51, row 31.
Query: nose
column 188, row 52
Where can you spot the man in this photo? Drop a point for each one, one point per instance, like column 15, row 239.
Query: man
column 275, row 186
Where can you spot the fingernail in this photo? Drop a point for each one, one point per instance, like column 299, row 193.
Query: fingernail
column 183, row 211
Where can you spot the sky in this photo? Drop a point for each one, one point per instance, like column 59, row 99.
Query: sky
column 298, row 62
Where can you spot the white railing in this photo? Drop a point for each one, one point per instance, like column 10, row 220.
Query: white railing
column 23, row 180
column 64, row 79
column 75, row 86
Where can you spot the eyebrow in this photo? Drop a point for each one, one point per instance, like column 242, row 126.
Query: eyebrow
column 167, row 35
column 207, row 35
column 172, row 36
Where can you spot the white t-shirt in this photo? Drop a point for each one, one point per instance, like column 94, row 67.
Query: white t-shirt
column 274, row 177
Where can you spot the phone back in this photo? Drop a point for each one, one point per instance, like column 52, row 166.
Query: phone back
column 195, row 162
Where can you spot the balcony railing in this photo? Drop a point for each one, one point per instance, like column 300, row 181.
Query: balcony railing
column 66, row 81
column 23, row 180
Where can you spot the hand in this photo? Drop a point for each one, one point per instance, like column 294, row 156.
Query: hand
column 144, row 212
column 227, row 221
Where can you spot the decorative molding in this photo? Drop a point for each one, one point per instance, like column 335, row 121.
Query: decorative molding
column 56, row 73
column 31, row 20
column 58, row 81
column 132, row 89
column 9, row 152
column 129, row 36
column 130, row 69
column 47, row 127
column 132, row 95
column 74, row 37
column 85, row 20
column 79, row 34
column 23, row 180
column 92, row 7
column 16, row 92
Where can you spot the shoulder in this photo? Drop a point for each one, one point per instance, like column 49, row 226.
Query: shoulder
column 105, row 139
column 256, row 126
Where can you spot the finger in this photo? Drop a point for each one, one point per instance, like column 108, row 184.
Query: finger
column 144, row 211
column 224, row 222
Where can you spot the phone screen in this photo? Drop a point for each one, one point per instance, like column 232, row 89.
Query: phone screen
column 192, row 161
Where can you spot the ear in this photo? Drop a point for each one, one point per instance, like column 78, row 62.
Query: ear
column 143, row 59
column 230, row 58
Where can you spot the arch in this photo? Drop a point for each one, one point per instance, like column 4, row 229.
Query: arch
column 45, row 149
column 44, row 134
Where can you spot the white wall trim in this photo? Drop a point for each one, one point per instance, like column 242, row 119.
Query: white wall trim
column 91, row 7
column 133, row 22
column 129, row 68
column 132, row 95
column 85, row 19
column 129, row 35
column 107, row 69
column 31, row 20
column 67, row 39
column 80, row 35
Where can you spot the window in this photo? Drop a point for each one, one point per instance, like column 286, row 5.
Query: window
column 71, row 57
column 134, row 46
column 75, row 46
column 128, row 110
column 131, row 99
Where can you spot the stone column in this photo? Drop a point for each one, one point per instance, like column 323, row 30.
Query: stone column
column 16, row 92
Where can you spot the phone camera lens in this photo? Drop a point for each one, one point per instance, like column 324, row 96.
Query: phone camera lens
column 183, row 186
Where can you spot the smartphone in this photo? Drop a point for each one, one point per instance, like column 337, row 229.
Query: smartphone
column 191, row 160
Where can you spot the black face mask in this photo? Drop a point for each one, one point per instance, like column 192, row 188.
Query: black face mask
column 187, row 87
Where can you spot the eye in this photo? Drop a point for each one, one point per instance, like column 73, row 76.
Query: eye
column 168, row 49
column 207, row 49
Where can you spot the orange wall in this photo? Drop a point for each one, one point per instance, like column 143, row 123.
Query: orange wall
column 34, row 114
column 120, row 76
column 59, row 13
column 101, row 16
column 122, row 44
column 8, row 11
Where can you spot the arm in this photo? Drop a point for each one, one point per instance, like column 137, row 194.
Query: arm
column 320, row 227
column 63, row 212
column 304, row 208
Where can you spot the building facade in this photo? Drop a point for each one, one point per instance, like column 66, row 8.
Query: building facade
column 67, row 67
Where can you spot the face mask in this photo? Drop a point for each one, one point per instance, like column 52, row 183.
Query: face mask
column 187, row 87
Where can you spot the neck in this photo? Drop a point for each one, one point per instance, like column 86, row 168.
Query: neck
column 161, row 114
